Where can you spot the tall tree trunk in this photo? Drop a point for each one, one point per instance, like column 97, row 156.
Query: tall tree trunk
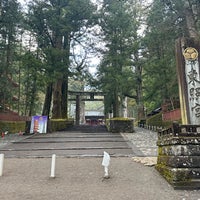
column 33, row 94
column 57, row 88
column 139, row 99
column 48, row 99
column 116, row 104
column 190, row 20
column 66, row 49
column 125, row 107
column 57, row 99
column 64, row 101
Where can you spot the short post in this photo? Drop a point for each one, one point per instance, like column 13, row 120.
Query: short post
column 106, row 171
column 53, row 166
column 1, row 164
column 106, row 163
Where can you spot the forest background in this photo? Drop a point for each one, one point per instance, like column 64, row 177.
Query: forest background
column 48, row 47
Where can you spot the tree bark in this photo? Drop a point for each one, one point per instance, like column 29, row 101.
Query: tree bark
column 48, row 99
column 64, row 101
column 116, row 104
column 57, row 99
column 33, row 94
column 190, row 20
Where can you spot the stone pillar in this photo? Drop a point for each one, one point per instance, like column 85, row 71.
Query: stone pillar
column 82, row 112
column 77, row 110
column 188, row 71
column 179, row 156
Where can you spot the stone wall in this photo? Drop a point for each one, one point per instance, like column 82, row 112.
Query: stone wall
column 124, row 125
column 179, row 156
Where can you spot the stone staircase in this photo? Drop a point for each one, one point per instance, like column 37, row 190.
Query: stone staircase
column 87, row 129
column 76, row 141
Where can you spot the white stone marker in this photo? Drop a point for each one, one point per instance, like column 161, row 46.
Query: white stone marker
column 1, row 164
column 106, row 163
column 53, row 166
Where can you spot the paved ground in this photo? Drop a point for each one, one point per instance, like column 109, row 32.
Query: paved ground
column 80, row 178
column 143, row 140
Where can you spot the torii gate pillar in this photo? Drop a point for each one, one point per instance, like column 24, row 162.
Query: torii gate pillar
column 77, row 109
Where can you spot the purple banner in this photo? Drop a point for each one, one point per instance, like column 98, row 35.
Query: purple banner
column 38, row 124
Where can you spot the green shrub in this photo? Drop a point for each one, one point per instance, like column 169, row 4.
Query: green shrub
column 59, row 124
column 12, row 126
column 23, row 126
column 156, row 120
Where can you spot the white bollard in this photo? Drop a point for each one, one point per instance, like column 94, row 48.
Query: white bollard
column 106, row 172
column 53, row 166
column 1, row 164
column 106, row 163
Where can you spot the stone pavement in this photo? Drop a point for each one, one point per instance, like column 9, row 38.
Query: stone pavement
column 87, row 141
column 141, row 143
column 81, row 178
column 10, row 138
column 145, row 140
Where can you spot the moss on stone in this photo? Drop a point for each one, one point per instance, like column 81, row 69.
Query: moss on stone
column 120, row 119
column 117, row 125
column 173, row 175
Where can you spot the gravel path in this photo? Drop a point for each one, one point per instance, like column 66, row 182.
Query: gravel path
column 145, row 140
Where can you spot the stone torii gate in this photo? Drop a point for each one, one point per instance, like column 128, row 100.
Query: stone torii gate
column 86, row 96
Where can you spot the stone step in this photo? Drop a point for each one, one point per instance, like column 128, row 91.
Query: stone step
column 87, row 128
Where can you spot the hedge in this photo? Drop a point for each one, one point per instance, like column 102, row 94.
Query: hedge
column 24, row 126
column 12, row 126
column 156, row 120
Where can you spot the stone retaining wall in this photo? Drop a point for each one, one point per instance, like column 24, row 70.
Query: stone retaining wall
column 123, row 125
column 179, row 156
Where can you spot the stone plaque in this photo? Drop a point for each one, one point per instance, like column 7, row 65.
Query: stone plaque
column 188, row 72
column 192, row 74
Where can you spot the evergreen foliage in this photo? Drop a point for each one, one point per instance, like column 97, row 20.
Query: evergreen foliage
column 166, row 21
column 46, row 46
column 117, row 73
column 9, row 25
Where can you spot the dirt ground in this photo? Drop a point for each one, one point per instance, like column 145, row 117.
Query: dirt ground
column 82, row 179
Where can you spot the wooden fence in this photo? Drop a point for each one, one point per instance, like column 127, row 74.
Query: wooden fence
column 172, row 115
column 13, row 117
